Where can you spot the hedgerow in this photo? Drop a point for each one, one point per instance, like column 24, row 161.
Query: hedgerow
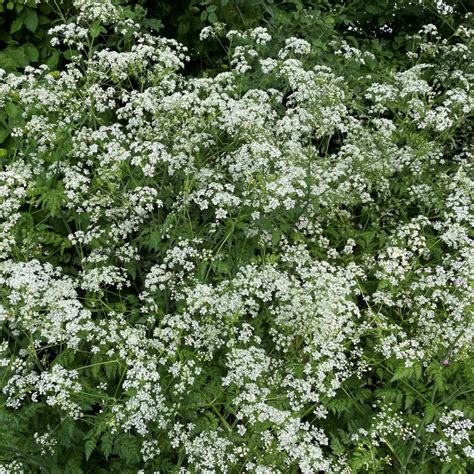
column 266, row 269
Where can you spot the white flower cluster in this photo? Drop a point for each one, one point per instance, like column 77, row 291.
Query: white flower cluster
column 44, row 303
column 198, row 234
column 46, row 441
column 454, row 431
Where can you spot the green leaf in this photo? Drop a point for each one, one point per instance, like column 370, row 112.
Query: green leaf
column 53, row 60
column 110, row 370
column 430, row 413
column 212, row 17
column 106, row 444
column 89, row 447
column 439, row 381
column 16, row 24
column 70, row 53
column 73, row 466
column 4, row 134
column 409, row 401
column 65, row 358
column 127, row 449
column 403, row 372
column 374, row 9
column 31, row 19
column 336, row 446
column 183, row 28
column 12, row 110
column 153, row 24
column 12, row 58
column 95, row 29
column 94, row 369
column 32, row 52
column 132, row 270
column 154, row 240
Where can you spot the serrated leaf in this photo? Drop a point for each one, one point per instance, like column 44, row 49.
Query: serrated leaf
column 95, row 366
column 73, row 466
column 153, row 24
column 409, row 401
column 336, row 446
column 128, row 450
column 439, row 381
column 106, row 444
column 89, row 447
column 430, row 413
column 402, row 372
column 110, row 370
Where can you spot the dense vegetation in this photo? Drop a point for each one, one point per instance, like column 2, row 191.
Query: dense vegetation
column 236, row 236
